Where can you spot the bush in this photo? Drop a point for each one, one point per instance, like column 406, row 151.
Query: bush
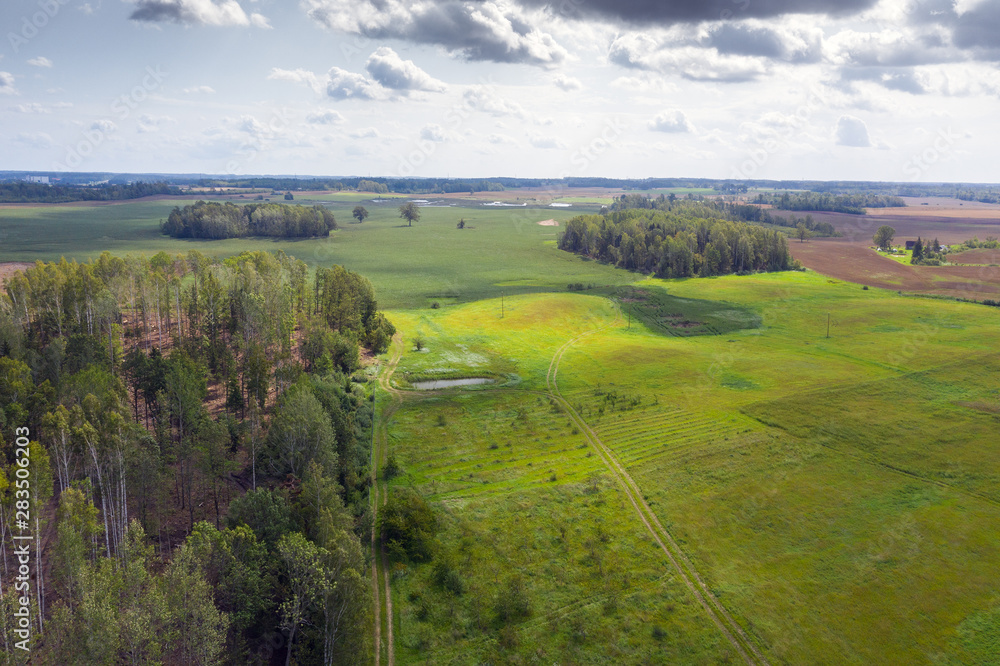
column 512, row 602
column 446, row 577
column 407, row 525
column 391, row 469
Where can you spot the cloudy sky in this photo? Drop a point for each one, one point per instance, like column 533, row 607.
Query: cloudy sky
column 896, row 90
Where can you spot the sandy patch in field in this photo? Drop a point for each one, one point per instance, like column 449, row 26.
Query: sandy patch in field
column 549, row 223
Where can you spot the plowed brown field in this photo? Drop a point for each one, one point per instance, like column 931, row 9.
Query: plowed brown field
column 855, row 262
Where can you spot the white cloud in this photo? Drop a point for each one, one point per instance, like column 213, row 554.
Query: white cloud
column 498, row 32
column 30, row 107
column 7, row 84
column 366, row 133
column 40, row 61
column 260, row 21
column 35, row 140
column 567, row 83
column 302, row 76
column 671, row 120
column 490, row 101
column 341, row 84
column 433, row 132
column 196, row 12
column 204, row 90
column 104, row 125
column 545, row 142
column 149, row 123
column 695, row 63
column 853, row 132
column 325, row 118
column 391, row 71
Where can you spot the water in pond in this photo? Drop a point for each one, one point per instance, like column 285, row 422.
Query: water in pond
column 448, row 383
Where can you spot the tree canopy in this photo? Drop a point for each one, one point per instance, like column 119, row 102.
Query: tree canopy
column 213, row 220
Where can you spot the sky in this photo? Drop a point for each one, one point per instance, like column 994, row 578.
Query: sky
column 890, row 90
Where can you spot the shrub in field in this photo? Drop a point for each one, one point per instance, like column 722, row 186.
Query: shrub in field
column 407, row 526
column 512, row 602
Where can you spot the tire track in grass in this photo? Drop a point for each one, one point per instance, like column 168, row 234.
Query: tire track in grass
column 380, row 495
column 731, row 629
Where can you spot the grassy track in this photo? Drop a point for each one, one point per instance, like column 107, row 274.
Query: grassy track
column 685, row 570
column 379, row 496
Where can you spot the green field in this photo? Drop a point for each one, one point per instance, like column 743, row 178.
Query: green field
column 837, row 496
column 500, row 250
column 840, row 496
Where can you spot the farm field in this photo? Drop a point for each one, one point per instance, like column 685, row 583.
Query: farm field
column 829, row 539
column 408, row 266
column 859, row 263
column 765, row 469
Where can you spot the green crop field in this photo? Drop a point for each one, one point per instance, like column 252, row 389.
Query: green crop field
column 778, row 468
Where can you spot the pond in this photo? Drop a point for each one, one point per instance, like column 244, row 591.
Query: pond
column 448, row 383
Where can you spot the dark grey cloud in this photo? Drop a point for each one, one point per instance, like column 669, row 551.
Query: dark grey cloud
column 472, row 30
column 645, row 12
column 732, row 38
column 976, row 28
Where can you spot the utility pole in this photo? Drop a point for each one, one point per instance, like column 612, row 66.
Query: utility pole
column 828, row 324
column 629, row 319
column 501, row 305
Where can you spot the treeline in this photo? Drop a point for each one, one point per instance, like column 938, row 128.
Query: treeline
column 377, row 185
column 24, row 192
column 751, row 213
column 991, row 243
column 982, row 196
column 198, row 423
column 699, row 206
column 214, row 220
column 676, row 243
column 854, row 204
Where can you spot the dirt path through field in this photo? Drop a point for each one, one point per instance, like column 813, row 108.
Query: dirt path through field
column 380, row 494
column 681, row 564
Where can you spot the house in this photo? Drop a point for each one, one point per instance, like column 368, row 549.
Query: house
column 910, row 244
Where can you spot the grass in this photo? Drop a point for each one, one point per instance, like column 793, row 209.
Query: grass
column 838, row 492
column 898, row 255
column 502, row 250
column 518, row 495
column 839, row 495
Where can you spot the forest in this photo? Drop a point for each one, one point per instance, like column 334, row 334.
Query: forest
column 854, row 204
column 197, row 434
column 214, row 220
column 686, row 239
column 24, row 192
